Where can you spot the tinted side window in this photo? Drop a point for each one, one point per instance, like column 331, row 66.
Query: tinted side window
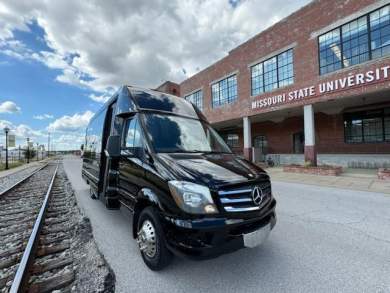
column 132, row 140
column 128, row 141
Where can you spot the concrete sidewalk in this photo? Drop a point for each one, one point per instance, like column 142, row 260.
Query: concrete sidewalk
column 365, row 180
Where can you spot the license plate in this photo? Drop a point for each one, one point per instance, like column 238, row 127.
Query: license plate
column 257, row 237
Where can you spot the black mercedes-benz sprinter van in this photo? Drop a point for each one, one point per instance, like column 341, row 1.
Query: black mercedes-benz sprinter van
column 157, row 155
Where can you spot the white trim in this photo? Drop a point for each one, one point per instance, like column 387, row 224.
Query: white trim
column 236, row 72
column 351, row 17
column 273, row 54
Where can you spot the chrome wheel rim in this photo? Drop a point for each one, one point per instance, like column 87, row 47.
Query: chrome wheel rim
column 147, row 239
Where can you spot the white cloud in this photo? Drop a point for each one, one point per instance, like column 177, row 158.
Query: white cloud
column 43, row 117
column 9, row 107
column 21, row 131
column 70, row 123
column 62, row 139
column 103, row 44
column 100, row 98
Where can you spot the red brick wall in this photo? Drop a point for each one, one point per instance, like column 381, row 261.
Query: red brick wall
column 279, row 135
column 169, row 88
column 298, row 28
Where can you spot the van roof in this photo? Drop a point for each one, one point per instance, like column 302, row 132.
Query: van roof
column 146, row 99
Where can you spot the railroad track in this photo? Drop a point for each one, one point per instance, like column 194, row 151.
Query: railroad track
column 35, row 234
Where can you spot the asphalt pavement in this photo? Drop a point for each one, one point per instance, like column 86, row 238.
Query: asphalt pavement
column 326, row 240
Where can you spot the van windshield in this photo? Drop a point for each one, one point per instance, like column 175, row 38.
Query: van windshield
column 173, row 134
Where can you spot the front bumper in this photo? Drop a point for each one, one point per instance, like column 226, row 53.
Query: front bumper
column 208, row 238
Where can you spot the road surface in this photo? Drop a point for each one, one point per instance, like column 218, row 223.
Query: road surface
column 326, row 240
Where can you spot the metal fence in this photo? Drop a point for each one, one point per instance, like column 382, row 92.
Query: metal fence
column 18, row 155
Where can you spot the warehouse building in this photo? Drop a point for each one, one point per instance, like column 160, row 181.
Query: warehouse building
column 313, row 87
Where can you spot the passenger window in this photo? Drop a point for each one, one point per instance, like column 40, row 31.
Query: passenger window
column 132, row 140
column 129, row 134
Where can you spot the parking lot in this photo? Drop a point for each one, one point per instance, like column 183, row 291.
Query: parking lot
column 326, row 240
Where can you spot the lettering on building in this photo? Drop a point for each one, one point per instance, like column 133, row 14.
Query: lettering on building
column 322, row 88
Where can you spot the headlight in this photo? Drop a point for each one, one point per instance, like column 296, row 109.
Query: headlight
column 192, row 198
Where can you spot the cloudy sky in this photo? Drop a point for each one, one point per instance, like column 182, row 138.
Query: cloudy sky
column 60, row 60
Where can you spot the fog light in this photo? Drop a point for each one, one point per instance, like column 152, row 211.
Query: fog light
column 210, row 209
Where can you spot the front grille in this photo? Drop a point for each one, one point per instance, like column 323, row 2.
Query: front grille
column 239, row 199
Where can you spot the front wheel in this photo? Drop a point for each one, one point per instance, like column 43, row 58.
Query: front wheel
column 151, row 240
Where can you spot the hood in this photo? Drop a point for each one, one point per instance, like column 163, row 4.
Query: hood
column 212, row 170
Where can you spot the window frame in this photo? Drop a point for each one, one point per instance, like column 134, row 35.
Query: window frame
column 236, row 141
column 348, row 118
column 277, row 70
column 192, row 94
column 339, row 28
column 227, row 89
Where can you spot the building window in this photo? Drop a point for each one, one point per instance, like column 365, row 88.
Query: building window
column 232, row 140
column 367, row 126
column 196, row 98
column 224, row 91
column 330, row 52
column 355, row 42
column 380, row 32
column 350, row 43
column 273, row 73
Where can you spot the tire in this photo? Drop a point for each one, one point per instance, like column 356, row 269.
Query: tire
column 162, row 256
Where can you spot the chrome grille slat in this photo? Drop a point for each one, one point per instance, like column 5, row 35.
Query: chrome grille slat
column 235, row 209
column 235, row 200
column 222, row 192
column 239, row 199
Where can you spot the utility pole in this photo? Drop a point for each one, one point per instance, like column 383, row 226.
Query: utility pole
column 6, row 130
column 37, row 152
column 19, row 153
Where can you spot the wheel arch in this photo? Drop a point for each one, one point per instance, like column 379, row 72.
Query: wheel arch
column 146, row 197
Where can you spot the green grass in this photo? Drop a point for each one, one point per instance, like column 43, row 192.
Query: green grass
column 10, row 165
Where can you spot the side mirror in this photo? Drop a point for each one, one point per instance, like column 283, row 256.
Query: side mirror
column 113, row 147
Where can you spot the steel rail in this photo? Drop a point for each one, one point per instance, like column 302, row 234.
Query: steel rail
column 20, row 277
column 22, row 180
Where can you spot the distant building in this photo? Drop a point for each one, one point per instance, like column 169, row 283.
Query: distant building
column 314, row 86
column 169, row 88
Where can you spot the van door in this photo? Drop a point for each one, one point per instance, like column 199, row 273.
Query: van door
column 131, row 163
column 108, row 127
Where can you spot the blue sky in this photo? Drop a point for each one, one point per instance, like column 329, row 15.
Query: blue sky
column 60, row 60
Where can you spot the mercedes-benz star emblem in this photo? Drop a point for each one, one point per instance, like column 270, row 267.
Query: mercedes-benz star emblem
column 257, row 195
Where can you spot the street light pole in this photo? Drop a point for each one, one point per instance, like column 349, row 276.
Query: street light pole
column 48, row 145
column 6, row 130
column 37, row 153
column 28, row 150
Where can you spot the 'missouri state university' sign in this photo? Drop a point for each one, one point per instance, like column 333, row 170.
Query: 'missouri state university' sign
column 346, row 82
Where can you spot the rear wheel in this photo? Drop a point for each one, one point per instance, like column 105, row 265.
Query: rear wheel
column 151, row 240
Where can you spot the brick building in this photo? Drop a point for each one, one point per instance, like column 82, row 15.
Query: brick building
column 314, row 86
